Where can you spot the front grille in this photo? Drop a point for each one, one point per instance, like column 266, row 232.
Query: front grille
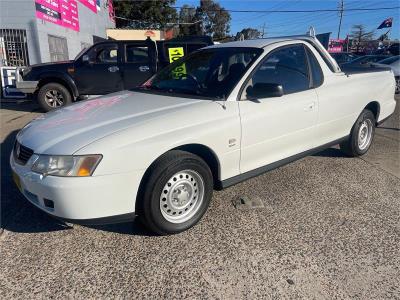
column 21, row 153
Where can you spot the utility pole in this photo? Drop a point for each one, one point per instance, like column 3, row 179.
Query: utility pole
column 341, row 9
column 263, row 30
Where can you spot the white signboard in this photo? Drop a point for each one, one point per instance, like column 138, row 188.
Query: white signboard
column 8, row 87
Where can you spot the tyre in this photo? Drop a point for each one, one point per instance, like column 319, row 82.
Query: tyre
column 176, row 193
column 361, row 135
column 52, row 96
column 397, row 84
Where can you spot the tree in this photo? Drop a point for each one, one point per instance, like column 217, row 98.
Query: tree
column 248, row 34
column 190, row 20
column 144, row 14
column 215, row 19
column 360, row 36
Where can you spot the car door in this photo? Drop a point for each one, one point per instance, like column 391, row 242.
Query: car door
column 98, row 71
column 138, row 63
column 275, row 128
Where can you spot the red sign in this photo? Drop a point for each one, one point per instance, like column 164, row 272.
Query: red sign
column 60, row 12
column 69, row 14
column 336, row 45
column 111, row 12
column 91, row 4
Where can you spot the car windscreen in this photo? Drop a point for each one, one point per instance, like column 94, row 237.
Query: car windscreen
column 210, row 73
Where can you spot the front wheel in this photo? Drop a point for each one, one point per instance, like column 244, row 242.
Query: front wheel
column 52, row 96
column 176, row 194
column 361, row 135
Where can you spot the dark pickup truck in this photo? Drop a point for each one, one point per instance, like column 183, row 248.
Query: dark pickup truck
column 105, row 67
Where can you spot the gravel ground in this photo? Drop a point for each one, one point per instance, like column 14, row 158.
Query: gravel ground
column 329, row 229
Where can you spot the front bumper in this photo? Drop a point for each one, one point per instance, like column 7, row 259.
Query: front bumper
column 27, row 87
column 84, row 200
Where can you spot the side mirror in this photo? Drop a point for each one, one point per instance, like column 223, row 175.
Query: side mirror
column 264, row 90
column 86, row 59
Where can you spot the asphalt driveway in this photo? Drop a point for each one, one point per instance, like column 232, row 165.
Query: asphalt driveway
column 329, row 228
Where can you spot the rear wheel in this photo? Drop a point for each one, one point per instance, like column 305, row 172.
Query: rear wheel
column 361, row 135
column 176, row 194
column 52, row 96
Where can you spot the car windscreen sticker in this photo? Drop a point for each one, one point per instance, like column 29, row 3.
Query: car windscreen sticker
column 175, row 53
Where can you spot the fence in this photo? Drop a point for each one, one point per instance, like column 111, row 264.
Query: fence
column 13, row 48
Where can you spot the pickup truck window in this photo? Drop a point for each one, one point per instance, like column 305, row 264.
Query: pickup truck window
column 211, row 73
column 286, row 66
column 135, row 54
column 106, row 54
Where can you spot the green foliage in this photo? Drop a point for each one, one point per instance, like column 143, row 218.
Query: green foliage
column 360, row 36
column 142, row 14
column 208, row 18
column 190, row 19
column 248, row 34
column 215, row 19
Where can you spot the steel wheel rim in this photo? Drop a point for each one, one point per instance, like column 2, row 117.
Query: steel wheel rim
column 182, row 196
column 365, row 134
column 54, row 98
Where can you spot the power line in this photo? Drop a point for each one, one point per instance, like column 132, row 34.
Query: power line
column 294, row 11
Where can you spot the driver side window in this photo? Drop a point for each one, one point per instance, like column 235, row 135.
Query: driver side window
column 105, row 54
column 286, row 66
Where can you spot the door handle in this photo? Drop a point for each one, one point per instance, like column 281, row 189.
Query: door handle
column 144, row 68
column 309, row 107
column 113, row 69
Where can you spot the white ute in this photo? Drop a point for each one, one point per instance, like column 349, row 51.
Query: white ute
column 221, row 115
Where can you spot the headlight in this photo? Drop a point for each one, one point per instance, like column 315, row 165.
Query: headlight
column 65, row 165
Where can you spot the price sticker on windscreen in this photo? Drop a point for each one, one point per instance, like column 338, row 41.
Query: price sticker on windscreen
column 175, row 53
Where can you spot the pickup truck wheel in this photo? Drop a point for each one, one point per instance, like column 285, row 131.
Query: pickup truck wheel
column 361, row 135
column 177, row 193
column 52, row 96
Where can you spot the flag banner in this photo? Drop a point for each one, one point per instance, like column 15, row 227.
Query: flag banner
column 386, row 24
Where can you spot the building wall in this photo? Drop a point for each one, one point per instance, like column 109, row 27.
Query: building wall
column 20, row 14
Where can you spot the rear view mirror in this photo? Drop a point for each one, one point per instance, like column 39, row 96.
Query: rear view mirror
column 264, row 90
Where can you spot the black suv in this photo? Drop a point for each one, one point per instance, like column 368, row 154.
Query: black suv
column 103, row 68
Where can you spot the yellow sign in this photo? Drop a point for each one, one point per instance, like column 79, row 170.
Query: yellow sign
column 175, row 53
column 179, row 72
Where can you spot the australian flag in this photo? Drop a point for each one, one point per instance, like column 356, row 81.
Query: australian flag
column 386, row 24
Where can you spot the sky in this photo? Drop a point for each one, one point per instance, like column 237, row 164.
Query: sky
column 278, row 24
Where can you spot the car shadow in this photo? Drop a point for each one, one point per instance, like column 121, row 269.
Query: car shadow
column 20, row 216
column 26, row 106
column 389, row 128
column 330, row 152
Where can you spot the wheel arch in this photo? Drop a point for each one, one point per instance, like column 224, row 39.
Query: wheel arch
column 208, row 155
column 375, row 108
column 55, row 78
column 204, row 152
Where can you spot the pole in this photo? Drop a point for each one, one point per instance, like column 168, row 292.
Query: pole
column 263, row 30
column 341, row 8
